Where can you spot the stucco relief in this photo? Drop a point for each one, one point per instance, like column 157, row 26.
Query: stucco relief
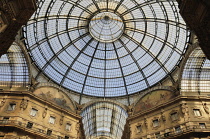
column 24, row 104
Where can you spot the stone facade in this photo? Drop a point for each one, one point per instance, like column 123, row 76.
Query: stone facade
column 184, row 117
column 23, row 115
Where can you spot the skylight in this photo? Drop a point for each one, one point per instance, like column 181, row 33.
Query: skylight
column 106, row 48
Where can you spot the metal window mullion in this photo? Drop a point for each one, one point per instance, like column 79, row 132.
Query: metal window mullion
column 158, row 38
column 118, row 6
column 140, row 69
column 46, row 35
column 53, row 17
column 105, row 57
column 162, row 65
column 138, row 6
column 56, row 54
column 11, row 68
column 53, row 36
column 148, row 52
column 173, row 23
column 95, row 3
column 78, row 5
column 69, row 68
column 199, row 74
column 119, row 127
column 83, row 87
column 122, row 73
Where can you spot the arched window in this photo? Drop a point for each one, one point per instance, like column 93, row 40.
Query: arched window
column 13, row 68
column 104, row 119
column 196, row 73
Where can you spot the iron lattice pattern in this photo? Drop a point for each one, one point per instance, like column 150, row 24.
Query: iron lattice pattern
column 13, row 68
column 106, row 48
column 104, row 119
column 196, row 73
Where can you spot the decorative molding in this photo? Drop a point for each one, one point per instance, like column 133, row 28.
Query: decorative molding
column 3, row 101
column 152, row 123
column 61, row 119
column 163, row 117
column 185, row 111
column 44, row 113
column 24, row 104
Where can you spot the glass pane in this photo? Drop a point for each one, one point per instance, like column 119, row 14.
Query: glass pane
column 87, row 43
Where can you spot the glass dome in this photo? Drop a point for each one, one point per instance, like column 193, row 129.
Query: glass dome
column 106, row 48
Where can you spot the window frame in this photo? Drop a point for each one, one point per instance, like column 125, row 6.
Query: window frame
column 202, row 125
column 49, row 132
column 68, row 128
column 197, row 112
column 5, row 120
column 32, row 112
column 11, row 106
column 178, row 129
column 139, row 128
column 155, row 121
column 52, row 120
column 29, row 125
column 174, row 116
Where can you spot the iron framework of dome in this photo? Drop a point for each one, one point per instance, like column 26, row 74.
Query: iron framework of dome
column 106, row 48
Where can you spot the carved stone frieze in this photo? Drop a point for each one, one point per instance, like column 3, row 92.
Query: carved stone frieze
column 205, row 107
column 44, row 113
column 185, row 111
column 2, row 102
column 24, row 104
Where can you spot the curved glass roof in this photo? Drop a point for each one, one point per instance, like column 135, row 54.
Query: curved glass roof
column 104, row 119
column 196, row 73
column 14, row 72
column 106, row 48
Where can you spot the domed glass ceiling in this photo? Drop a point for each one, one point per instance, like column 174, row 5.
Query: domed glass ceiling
column 106, row 48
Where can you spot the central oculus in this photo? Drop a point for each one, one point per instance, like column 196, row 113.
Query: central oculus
column 106, row 27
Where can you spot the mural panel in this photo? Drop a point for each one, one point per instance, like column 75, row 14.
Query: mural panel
column 55, row 96
column 153, row 99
